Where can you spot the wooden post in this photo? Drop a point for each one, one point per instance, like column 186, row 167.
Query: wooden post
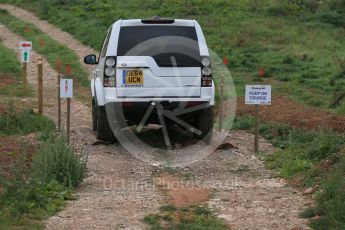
column 25, row 70
column 68, row 107
column 257, row 121
column 40, row 85
column 59, row 102
column 68, row 118
column 221, row 102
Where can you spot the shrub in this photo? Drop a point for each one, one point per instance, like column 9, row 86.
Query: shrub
column 56, row 160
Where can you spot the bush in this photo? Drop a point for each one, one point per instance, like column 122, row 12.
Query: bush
column 56, row 161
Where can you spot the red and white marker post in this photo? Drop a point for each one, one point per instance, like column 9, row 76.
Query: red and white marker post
column 66, row 91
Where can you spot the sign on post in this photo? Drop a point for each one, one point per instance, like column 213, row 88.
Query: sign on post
column 25, row 55
column 66, row 91
column 258, row 95
column 66, row 88
column 25, row 47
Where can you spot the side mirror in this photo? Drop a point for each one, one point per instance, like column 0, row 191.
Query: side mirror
column 90, row 59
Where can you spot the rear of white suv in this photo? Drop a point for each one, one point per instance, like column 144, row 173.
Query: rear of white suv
column 148, row 61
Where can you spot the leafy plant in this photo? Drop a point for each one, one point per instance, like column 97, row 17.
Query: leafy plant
column 57, row 161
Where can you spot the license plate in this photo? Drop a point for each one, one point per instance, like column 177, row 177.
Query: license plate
column 133, row 77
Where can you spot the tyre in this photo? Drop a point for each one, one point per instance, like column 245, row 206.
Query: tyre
column 104, row 131
column 94, row 115
column 204, row 120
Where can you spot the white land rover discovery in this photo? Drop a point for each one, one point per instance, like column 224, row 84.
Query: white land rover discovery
column 148, row 64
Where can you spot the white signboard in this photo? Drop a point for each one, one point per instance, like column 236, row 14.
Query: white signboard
column 258, row 95
column 25, row 45
column 25, row 54
column 66, row 88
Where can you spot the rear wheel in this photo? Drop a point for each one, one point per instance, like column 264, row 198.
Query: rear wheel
column 204, row 120
column 104, row 131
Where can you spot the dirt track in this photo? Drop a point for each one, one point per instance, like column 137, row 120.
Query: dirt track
column 119, row 190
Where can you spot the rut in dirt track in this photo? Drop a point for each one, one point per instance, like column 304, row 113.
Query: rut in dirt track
column 119, row 192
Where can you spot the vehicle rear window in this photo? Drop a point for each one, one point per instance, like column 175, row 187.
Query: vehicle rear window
column 168, row 45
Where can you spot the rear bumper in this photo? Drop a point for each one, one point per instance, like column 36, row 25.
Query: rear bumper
column 207, row 95
column 156, row 99
column 134, row 112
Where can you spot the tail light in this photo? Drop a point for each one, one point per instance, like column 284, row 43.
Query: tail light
column 206, row 71
column 109, row 79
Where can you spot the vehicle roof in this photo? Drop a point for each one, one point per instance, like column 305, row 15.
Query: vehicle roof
column 138, row 22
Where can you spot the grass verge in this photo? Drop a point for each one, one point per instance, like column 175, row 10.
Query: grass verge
column 24, row 122
column 34, row 189
column 313, row 158
column 192, row 217
column 10, row 74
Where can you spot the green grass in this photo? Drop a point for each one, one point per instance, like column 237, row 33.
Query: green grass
column 37, row 188
column 332, row 200
column 298, row 43
column 297, row 149
column 316, row 157
column 51, row 49
column 191, row 218
column 10, row 72
column 24, row 122
column 9, row 65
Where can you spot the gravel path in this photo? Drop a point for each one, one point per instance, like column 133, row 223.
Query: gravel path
column 119, row 192
column 247, row 195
